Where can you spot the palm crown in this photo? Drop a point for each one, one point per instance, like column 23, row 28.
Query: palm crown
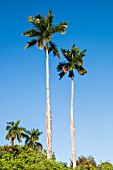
column 43, row 31
column 14, row 131
column 74, row 59
column 32, row 138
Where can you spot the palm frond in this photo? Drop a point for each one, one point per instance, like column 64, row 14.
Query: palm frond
column 82, row 53
column 81, row 70
column 8, row 127
column 61, row 28
column 31, row 33
column 30, row 43
column 61, row 74
column 10, row 123
column 71, row 74
column 17, row 123
column 54, row 49
column 30, row 19
column 49, row 18
column 66, row 54
column 38, row 146
column 40, row 43
column 61, row 66
column 37, row 17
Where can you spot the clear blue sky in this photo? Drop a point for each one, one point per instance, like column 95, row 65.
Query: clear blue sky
column 22, row 75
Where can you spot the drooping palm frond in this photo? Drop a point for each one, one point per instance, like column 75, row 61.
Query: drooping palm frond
column 38, row 146
column 30, row 44
column 54, row 49
column 71, row 74
column 62, row 67
column 40, row 43
column 81, row 70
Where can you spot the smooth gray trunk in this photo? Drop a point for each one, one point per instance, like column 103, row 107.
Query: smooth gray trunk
column 72, row 129
column 48, row 112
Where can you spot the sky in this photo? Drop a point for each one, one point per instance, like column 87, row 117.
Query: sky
column 22, row 76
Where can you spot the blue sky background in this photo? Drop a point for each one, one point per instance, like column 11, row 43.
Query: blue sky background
column 22, row 75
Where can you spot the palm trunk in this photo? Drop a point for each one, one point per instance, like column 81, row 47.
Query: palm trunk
column 72, row 125
column 48, row 112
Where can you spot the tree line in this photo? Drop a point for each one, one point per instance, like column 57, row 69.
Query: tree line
column 32, row 155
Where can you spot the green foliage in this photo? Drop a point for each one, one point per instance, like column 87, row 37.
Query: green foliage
column 20, row 157
column 105, row 166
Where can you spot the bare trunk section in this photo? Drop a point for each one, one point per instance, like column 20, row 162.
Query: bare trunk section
column 72, row 129
column 48, row 112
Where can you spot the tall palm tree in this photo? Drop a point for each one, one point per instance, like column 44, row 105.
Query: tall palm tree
column 42, row 32
column 14, row 131
column 32, row 138
column 74, row 59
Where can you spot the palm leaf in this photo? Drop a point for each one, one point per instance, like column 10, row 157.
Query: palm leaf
column 49, row 18
column 38, row 146
column 60, row 28
column 66, row 54
column 54, row 49
column 30, row 43
column 31, row 33
column 81, row 70
column 61, row 66
column 71, row 74
column 40, row 43
column 82, row 53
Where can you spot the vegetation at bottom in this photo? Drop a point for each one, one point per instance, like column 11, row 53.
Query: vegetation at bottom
column 17, row 157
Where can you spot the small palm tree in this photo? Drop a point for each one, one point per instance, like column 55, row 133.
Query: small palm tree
column 42, row 32
column 14, row 131
column 32, row 138
column 74, row 62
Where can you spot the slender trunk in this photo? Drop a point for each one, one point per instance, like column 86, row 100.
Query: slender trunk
column 72, row 125
column 48, row 112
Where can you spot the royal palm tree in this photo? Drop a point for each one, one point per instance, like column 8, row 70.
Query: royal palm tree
column 74, row 62
column 42, row 32
column 32, row 138
column 14, row 131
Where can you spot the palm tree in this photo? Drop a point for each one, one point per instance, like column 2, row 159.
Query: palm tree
column 42, row 32
column 74, row 61
column 14, row 131
column 32, row 136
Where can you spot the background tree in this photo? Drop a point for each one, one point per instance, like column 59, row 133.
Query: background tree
column 14, row 131
column 42, row 32
column 86, row 162
column 74, row 59
column 32, row 138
